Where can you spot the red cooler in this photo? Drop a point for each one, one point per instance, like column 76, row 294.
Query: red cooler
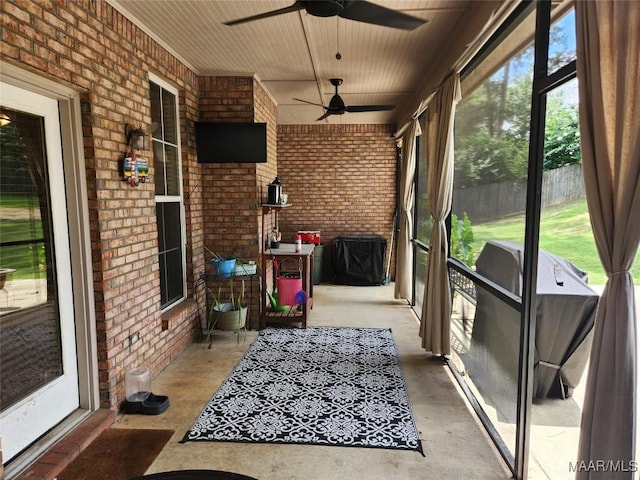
column 310, row 236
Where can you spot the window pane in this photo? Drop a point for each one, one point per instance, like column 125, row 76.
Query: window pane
column 171, row 168
column 562, row 41
column 171, row 277
column 170, row 251
column 171, row 223
column 156, row 111
column 163, row 280
column 169, row 117
column 30, row 346
column 159, row 167
column 491, row 155
column 174, row 284
column 488, row 222
column 161, row 227
column 566, row 245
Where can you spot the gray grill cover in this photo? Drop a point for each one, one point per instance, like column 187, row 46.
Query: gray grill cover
column 566, row 308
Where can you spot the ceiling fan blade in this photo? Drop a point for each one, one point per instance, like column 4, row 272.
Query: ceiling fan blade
column 308, row 102
column 368, row 108
column 325, row 115
column 367, row 12
column 292, row 8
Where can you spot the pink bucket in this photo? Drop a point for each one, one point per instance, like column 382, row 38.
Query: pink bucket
column 288, row 287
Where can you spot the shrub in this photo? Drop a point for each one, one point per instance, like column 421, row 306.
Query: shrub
column 463, row 245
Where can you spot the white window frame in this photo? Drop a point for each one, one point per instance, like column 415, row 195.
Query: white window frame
column 175, row 198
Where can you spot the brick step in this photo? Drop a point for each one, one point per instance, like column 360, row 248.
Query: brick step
column 62, row 453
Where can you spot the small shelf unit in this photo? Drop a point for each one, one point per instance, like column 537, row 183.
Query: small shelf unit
column 285, row 253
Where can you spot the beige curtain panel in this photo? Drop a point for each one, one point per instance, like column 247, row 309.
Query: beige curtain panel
column 608, row 46
column 436, row 308
column 404, row 250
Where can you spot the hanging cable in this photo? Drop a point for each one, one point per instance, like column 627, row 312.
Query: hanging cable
column 338, row 55
column 197, row 283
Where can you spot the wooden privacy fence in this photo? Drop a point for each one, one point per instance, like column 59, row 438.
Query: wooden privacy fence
column 497, row 200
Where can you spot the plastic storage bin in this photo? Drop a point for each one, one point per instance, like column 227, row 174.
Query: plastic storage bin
column 288, row 287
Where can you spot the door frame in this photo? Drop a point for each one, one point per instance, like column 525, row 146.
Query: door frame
column 80, row 251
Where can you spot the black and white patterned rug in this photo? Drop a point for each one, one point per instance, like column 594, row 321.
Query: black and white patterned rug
column 320, row 386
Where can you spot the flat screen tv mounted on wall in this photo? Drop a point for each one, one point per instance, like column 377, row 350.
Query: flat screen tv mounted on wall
column 231, row 142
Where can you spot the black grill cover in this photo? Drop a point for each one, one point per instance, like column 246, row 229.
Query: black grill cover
column 359, row 260
column 566, row 308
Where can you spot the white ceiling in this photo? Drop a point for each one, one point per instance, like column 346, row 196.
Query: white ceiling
column 294, row 55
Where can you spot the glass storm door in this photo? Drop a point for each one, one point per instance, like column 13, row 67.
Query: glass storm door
column 38, row 361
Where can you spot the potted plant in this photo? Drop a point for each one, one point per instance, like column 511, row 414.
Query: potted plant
column 226, row 266
column 243, row 268
column 227, row 313
column 223, row 265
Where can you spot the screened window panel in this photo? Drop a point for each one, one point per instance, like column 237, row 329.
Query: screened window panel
column 491, row 142
column 491, row 155
column 421, row 258
column 424, row 222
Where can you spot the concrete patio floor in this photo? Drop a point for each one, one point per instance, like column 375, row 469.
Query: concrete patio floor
column 454, row 442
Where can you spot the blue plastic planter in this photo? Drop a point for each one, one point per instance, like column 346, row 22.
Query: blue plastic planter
column 223, row 268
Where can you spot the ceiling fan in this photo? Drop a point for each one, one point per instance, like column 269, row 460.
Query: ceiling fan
column 358, row 10
column 337, row 106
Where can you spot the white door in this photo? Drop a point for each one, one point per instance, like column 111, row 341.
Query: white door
column 38, row 358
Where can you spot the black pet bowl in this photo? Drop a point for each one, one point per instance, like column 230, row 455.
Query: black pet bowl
column 153, row 405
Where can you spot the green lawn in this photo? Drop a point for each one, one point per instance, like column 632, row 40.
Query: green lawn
column 16, row 225
column 17, row 201
column 564, row 231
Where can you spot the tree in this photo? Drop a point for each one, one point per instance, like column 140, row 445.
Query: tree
column 562, row 134
column 493, row 122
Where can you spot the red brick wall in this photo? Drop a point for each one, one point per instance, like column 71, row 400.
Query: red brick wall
column 233, row 192
column 90, row 46
column 266, row 172
column 341, row 180
column 229, row 189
